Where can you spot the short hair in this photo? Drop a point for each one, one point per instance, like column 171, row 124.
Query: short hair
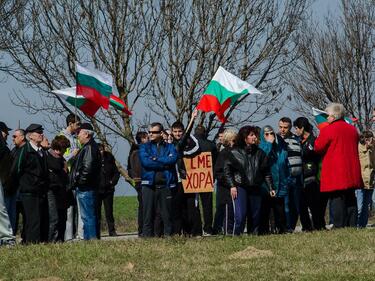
column 139, row 136
column 200, row 130
column 157, row 124
column 60, row 143
column 286, row 120
column 365, row 135
column 228, row 136
column 337, row 110
column 22, row 131
column 72, row 118
column 302, row 122
column 243, row 133
column 178, row 125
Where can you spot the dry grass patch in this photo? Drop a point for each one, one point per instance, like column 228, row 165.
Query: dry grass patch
column 251, row 253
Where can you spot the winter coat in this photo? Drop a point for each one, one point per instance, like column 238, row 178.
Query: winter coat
column 158, row 160
column 134, row 164
column 338, row 145
column 248, row 168
column 310, row 160
column 367, row 160
column 223, row 190
column 85, row 171
column 58, row 178
column 31, row 170
column 109, row 174
column 277, row 154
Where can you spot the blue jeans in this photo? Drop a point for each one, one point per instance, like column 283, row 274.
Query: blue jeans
column 86, row 201
column 240, row 210
column 363, row 201
column 10, row 204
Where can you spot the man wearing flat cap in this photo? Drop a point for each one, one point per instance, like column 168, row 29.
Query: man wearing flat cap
column 84, row 178
column 32, row 172
column 6, row 232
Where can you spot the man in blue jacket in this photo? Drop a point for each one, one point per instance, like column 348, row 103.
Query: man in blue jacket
column 158, row 161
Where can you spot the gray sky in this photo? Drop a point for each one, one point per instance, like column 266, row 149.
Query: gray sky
column 12, row 114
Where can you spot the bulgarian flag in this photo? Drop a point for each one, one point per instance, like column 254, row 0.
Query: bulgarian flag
column 94, row 85
column 86, row 105
column 321, row 118
column 223, row 91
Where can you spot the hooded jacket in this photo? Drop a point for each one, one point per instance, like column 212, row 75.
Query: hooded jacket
column 277, row 153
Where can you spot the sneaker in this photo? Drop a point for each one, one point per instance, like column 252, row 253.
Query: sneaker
column 8, row 243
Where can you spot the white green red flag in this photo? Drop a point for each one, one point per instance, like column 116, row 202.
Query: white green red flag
column 223, row 91
column 94, row 85
column 321, row 118
column 86, row 105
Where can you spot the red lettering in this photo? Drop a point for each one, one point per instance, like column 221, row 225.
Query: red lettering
column 188, row 178
column 209, row 180
column 195, row 181
column 208, row 161
column 202, row 177
column 192, row 163
column 201, row 161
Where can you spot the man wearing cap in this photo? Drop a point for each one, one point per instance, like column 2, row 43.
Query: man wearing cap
column 6, row 233
column 32, row 172
column 84, row 178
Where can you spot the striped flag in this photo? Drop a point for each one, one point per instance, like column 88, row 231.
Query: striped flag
column 321, row 118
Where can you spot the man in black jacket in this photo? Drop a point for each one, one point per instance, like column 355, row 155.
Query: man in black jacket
column 109, row 177
column 6, row 233
column 84, row 178
column 206, row 145
column 32, row 172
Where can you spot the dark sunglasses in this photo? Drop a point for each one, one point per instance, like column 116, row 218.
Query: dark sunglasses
column 269, row 134
column 154, row 132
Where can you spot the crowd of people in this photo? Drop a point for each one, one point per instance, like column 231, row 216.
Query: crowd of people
column 265, row 180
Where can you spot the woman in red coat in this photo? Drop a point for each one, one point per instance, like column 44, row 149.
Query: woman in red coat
column 341, row 170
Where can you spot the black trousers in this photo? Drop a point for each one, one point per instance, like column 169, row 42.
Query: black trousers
column 191, row 215
column 206, row 199
column 154, row 198
column 178, row 206
column 275, row 204
column 36, row 217
column 138, row 188
column 344, row 207
column 107, row 200
column 313, row 199
column 53, row 217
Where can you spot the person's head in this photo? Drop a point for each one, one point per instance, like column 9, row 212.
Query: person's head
column 177, row 130
column 200, row 132
column 101, row 147
column 85, row 133
column 4, row 130
column 34, row 134
column 335, row 112
column 155, row 132
column 285, row 124
column 73, row 123
column 60, row 144
column 141, row 137
column 167, row 136
column 269, row 134
column 366, row 138
column 302, row 126
column 19, row 137
column 229, row 137
column 247, row 135
column 220, row 135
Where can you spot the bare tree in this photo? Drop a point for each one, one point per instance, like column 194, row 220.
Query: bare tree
column 336, row 62
column 252, row 39
column 160, row 53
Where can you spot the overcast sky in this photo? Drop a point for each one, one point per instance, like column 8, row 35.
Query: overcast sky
column 12, row 114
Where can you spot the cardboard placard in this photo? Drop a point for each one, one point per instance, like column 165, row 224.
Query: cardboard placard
column 199, row 175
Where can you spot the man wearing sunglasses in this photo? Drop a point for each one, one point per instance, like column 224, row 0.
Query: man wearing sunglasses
column 158, row 160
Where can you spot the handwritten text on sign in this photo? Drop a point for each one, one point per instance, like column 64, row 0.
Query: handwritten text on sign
column 199, row 177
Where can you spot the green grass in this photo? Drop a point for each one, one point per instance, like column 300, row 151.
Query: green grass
column 125, row 214
column 330, row 255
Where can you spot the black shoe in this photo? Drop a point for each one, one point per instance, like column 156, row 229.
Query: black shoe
column 113, row 233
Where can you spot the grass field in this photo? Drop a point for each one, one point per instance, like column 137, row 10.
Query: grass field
column 329, row 255
column 347, row 254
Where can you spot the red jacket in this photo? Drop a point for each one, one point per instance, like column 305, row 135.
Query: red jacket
column 338, row 144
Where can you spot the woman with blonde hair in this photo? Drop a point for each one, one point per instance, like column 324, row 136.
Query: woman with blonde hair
column 223, row 198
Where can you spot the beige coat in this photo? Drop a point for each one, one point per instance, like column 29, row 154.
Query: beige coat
column 367, row 160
